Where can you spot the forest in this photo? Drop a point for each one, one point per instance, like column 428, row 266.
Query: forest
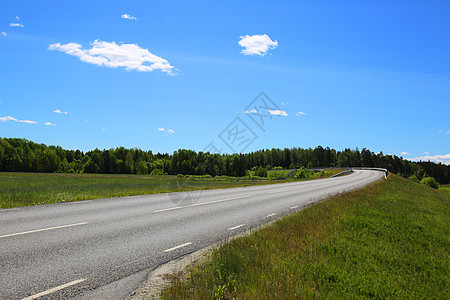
column 21, row 155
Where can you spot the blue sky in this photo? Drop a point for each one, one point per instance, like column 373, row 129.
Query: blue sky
column 164, row 75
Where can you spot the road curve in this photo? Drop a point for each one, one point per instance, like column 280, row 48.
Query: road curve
column 103, row 248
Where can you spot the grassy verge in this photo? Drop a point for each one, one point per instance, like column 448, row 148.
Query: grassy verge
column 445, row 187
column 389, row 240
column 23, row 189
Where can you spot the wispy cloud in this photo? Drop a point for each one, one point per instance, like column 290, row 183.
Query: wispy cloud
column 252, row 111
column 17, row 18
column 9, row 118
column 257, row 44
column 112, row 55
column 60, row 112
column 445, row 158
column 404, row 153
column 16, row 25
column 169, row 131
column 300, row 113
column 448, row 132
column 49, row 124
column 426, row 152
column 4, row 33
column 277, row 112
column 128, row 17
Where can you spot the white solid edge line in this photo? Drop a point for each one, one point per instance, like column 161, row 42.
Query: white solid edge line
column 199, row 204
column 176, row 247
column 293, row 207
column 236, row 227
column 55, row 289
column 271, row 215
column 43, row 229
column 8, row 209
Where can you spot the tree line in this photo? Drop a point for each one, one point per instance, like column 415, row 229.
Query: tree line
column 20, row 155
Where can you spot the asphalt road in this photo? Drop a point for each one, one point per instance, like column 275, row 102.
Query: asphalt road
column 103, row 248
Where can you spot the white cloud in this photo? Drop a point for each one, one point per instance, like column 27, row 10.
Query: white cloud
column 252, row 111
column 28, row 121
column 283, row 103
column 448, row 132
column 404, row 153
column 169, row 131
column 17, row 18
column 128, row 17
column 128, row 56
column 440, row 130
column 60, row 112
column 426, row 153
column 9, row 118
column 257, row 44
column 445, row 159
column 49, row 124
column 3, row 33
column 16, row 25
column 277, row 112
column 300, row 113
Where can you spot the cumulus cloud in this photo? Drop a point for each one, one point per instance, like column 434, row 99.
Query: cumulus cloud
column 49, row 124
column 404, row 153
column 3, row 33
column 257, row 44
column 16, row 25
column 300, row 113
column 445, row 159
column 128, row 17
column 9, row 118
column 426, row 152
column 112, row 55
column 277, row 112
column 161, row 129
column 60, row 112
column 170, row 131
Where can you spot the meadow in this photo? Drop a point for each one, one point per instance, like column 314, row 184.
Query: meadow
column 388, row 240
column 24, row 189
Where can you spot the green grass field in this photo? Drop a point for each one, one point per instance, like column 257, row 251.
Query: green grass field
column 24, row 189
column 389, row 240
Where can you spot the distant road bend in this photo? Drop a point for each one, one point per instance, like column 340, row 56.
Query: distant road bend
column 102, row 249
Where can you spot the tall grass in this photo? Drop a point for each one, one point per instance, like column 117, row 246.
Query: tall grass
column 389, row 240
